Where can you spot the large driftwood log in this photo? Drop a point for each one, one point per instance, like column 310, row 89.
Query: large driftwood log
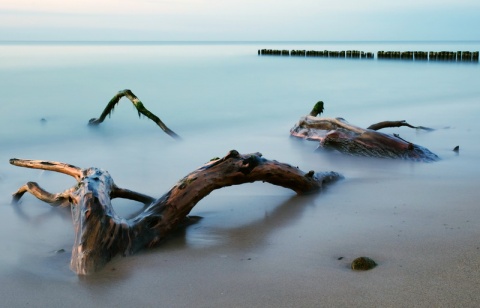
column 140, row 108
column 338, row 134
column 100, row 234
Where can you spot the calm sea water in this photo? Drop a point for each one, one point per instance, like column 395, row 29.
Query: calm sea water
column 219, row 97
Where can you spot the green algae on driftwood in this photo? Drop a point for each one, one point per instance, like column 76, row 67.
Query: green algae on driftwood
column 140, row 109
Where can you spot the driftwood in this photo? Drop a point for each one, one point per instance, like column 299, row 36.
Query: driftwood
column 100, row 234
column 386, row 124
column 140, row 109
column 338, row 134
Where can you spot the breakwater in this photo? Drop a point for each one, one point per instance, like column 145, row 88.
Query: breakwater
column 451, row 56
column 315, row 53
column 446, row 56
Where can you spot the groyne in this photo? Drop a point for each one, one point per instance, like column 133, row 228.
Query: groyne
column 446, row 56
column 451, row 56
column 315, row 53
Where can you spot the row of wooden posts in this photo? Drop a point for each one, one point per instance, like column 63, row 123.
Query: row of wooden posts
column 452, row 56
column 465, row 56
column 322, row 53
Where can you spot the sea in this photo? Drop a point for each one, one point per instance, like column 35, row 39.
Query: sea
column 219, row 96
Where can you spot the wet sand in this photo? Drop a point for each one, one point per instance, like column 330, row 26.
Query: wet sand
column 262, row 246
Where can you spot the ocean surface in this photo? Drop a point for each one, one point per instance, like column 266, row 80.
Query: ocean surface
column 219, row 97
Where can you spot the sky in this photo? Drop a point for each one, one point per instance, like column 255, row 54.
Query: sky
column 239, row 20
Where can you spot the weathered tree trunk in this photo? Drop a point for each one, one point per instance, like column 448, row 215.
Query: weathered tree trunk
column 140, row 108
column 100, row 234
column 338, row 134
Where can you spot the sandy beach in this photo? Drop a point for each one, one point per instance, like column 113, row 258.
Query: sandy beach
column 271, row 248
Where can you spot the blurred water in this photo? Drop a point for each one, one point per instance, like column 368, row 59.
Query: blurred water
column 219, row 97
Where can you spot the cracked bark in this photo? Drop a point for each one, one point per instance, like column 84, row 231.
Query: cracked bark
column 338, row 134
column 100, row 234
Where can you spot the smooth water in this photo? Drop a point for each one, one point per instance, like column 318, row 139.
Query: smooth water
column 219, row 97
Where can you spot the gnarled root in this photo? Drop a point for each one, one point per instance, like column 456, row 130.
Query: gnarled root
column 100, row 234
column 338, row 134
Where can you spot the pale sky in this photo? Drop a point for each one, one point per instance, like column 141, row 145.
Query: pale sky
column 239, row 20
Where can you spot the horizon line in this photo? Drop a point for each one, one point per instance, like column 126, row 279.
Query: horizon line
column 239, row 41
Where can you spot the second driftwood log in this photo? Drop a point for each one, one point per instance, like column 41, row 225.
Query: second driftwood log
column 100, row 234
column 338, row 134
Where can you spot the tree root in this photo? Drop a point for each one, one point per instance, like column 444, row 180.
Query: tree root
column 338, row 134
column 100, row 234
column 140, row 108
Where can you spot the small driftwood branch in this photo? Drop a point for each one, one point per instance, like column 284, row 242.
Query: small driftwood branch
column 386, row 124
column 140, row 108
column 100, row 234
column 338, row 134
